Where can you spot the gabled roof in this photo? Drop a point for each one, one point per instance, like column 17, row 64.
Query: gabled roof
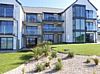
column 75, row 2
column 69, row 6
column 92, row 4
column 20, row 5
column 41, row 10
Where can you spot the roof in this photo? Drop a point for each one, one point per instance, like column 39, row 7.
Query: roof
column 41, row 9
column 47, row 9
column 92, row 4
column 69, row 6
column 75, row 2
column 20, row 5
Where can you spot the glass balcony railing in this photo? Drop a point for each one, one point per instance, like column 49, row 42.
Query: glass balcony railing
column 53, row 29
column 53, row 19
column 91, row 29
column 33, row 32
column 33, row 21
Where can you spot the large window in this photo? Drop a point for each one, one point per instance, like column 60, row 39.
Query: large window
column 79, row 36
column 89, row 13
column 52, row 17
column 47, row 26
column 6, row 27
column 48, row 37
column 90, row 26
column 79, row 10
column 6, row 10
column 31, row 17
column 31, row 30
column 6, row 43
column 79, row 24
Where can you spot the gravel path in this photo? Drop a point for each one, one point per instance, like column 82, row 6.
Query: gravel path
column 70, row 66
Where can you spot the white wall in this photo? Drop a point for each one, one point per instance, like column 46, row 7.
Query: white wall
column 88, row 6
column 18, row 18
column 68, row 24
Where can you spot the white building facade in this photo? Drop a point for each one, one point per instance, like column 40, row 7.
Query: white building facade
column 22, row 27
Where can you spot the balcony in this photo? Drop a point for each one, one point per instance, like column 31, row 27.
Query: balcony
column 32, row 33
column 53, row 29
column 91, row 29
column 53, row 19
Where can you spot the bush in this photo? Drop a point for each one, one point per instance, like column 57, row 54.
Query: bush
column 58, row 66
column 94, row 72
column 96, row 61
column 59, row 60
column 50, row 58
column 47, row 64
column 87, row 61
column 45, row 47
column 70, row 55
column 37, row 52
column 23, row 70
column 40, row 67
column 53, row 54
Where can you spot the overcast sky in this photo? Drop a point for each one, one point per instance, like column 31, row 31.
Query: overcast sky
column 55, row 3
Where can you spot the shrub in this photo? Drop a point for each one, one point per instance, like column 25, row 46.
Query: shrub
column 47, row 64
column 53, row 54
column 50, row 58
column 87, row 61
column 96, row 61
column 58, row 66
column 59, row 60
column 37, row 52
column 94, row 72
column 70, row 55
column 40, row 67
column 23, row 70
column 46, row 47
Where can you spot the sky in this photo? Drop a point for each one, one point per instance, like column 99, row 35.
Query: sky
column 55, row 3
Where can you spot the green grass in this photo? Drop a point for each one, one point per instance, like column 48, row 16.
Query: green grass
column 81, row 49
column 9, row 61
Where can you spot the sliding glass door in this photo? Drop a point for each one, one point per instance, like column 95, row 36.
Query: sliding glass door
column 6, row 43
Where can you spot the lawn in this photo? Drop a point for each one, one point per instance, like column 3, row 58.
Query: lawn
column 9, row 61
column 81, row 49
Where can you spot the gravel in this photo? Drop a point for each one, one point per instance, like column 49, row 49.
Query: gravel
column 74, row 65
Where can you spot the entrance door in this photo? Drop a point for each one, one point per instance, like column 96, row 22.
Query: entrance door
column 59, row 38
column 31, row 42
column 90, row 38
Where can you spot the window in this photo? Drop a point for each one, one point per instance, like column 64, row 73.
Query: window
column 6, row 43
column 48, row 37
column 6, row 27
column 89, row 13
column 90, row 26
column 79, row 23
column 31, row 17
column 82, row 22
column 32, row 30
column 6, row 10
column 52, row 17
column 79, row 10
column 79, row 37
column 48, row 16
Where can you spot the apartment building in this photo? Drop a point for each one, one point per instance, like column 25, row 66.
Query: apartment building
column 22, row 27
